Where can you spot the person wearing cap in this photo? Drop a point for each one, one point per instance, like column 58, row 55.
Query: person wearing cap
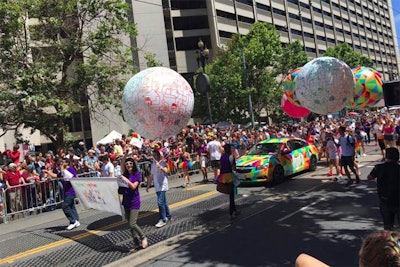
column 14, row 181
column 91, row 163
column 81, row 150
column 158, row 172
column 388, row 185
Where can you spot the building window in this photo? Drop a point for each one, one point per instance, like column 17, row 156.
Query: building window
column 190, row 23
column 225, row 34
column 263, row 7
column 279, row 12
column 246, row 19
column 226, row 15
column 188, row 4
column 190, row 43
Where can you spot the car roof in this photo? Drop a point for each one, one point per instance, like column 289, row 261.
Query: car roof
column 278, row 140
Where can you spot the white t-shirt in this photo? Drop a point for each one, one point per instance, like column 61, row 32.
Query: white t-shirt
column 213, row 149
column 107, row 169
column 160, row 178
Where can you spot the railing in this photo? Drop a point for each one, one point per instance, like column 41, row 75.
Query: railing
column 36, row 197
column 47, row 195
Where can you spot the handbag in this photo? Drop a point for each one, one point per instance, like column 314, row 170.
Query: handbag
column 224, row 188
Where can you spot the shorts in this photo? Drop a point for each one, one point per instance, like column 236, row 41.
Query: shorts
column 381, row 144
column 347, row 161
column 388, row 137
column 215, row 164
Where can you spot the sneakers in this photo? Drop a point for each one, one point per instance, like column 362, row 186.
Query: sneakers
column 73, row 225
column 160, row 224
column 342, row 172
column 350, row 182
column 330, row 173
column 364, row 155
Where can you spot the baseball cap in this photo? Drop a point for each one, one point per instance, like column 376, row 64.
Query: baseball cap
column 81, row 143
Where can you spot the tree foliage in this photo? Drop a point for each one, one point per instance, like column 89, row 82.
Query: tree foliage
column 254, row 64
column 60, row 57
column 346, row 53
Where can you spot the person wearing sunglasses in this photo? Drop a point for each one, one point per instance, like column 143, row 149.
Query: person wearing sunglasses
column 132, row 177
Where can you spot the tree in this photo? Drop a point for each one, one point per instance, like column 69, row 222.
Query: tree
column 61, row 58
column 254, row 64
column 151, row 60
column 345, row 53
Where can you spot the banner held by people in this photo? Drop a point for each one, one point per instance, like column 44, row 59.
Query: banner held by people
column 98, row 193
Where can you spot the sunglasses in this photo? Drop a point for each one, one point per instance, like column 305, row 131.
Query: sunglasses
column 129, row 163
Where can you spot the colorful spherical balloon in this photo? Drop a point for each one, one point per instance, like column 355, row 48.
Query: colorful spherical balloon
column 157, row 103
column 368, row 89
column 325, row 85
column 290, row 86
column 293, row 110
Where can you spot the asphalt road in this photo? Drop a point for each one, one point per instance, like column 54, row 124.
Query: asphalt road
column 307, row 213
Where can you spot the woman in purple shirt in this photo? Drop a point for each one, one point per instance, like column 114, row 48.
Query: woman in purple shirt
column 131, row 200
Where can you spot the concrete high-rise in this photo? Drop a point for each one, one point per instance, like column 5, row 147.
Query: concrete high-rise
column 366, row 25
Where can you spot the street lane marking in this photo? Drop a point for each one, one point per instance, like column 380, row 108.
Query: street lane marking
column 300, row 210
column 33, row 251
column 195, row 187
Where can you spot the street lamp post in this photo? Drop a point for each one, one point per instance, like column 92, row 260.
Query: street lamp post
column 203, row 81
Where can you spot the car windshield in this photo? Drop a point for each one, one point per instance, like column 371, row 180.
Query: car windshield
column 265, row 149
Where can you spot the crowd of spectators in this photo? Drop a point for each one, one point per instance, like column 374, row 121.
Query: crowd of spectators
column 103, row 160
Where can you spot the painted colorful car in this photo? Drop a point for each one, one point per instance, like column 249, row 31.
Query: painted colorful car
column 276, row 158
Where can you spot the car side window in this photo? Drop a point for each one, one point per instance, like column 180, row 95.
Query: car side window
column 296, row 144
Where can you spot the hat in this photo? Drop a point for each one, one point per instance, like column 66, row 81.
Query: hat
column 76, row 157
column 81, row 143
column 166, row 144
column 12, row 165
column 91, row 151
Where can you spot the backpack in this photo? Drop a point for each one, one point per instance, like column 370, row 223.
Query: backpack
column 353, row 144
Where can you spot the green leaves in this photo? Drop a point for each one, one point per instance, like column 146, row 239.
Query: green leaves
column 69, row 58
column 266, row 62
column 346, row 53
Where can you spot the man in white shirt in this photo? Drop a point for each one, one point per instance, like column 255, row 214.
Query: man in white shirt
column 158, row 172
column 214, row 149
column 107, row 169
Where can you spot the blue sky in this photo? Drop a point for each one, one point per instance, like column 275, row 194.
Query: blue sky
column 396, row 14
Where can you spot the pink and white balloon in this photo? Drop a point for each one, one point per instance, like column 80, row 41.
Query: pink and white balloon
column 325, row 85
column 292, row 109
column 157, row 103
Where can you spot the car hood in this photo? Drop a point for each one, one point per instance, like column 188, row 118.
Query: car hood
column 253, row 160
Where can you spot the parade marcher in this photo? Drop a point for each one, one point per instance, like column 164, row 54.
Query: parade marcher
column 132, row 177
column 388, row 182
column 159, row 172
column 333, row 155
column 202, row 158
column 227, row 177
column 68, row 172
column 347, row 144
column 214, row 149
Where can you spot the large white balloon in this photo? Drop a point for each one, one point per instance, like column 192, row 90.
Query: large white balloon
column 325, row 85
column 157, row 103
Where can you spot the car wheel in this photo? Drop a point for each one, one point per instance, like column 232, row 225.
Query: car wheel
column 278, row 176
column 313, row 163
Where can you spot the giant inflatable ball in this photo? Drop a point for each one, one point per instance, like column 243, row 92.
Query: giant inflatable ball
column 368, row 89
column 157, row 103
column 325, row 85
column 290, row 86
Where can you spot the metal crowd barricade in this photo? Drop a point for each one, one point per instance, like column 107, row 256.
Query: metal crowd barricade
column 23, row 200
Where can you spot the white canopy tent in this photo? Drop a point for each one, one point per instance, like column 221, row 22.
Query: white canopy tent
column 110, row 138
